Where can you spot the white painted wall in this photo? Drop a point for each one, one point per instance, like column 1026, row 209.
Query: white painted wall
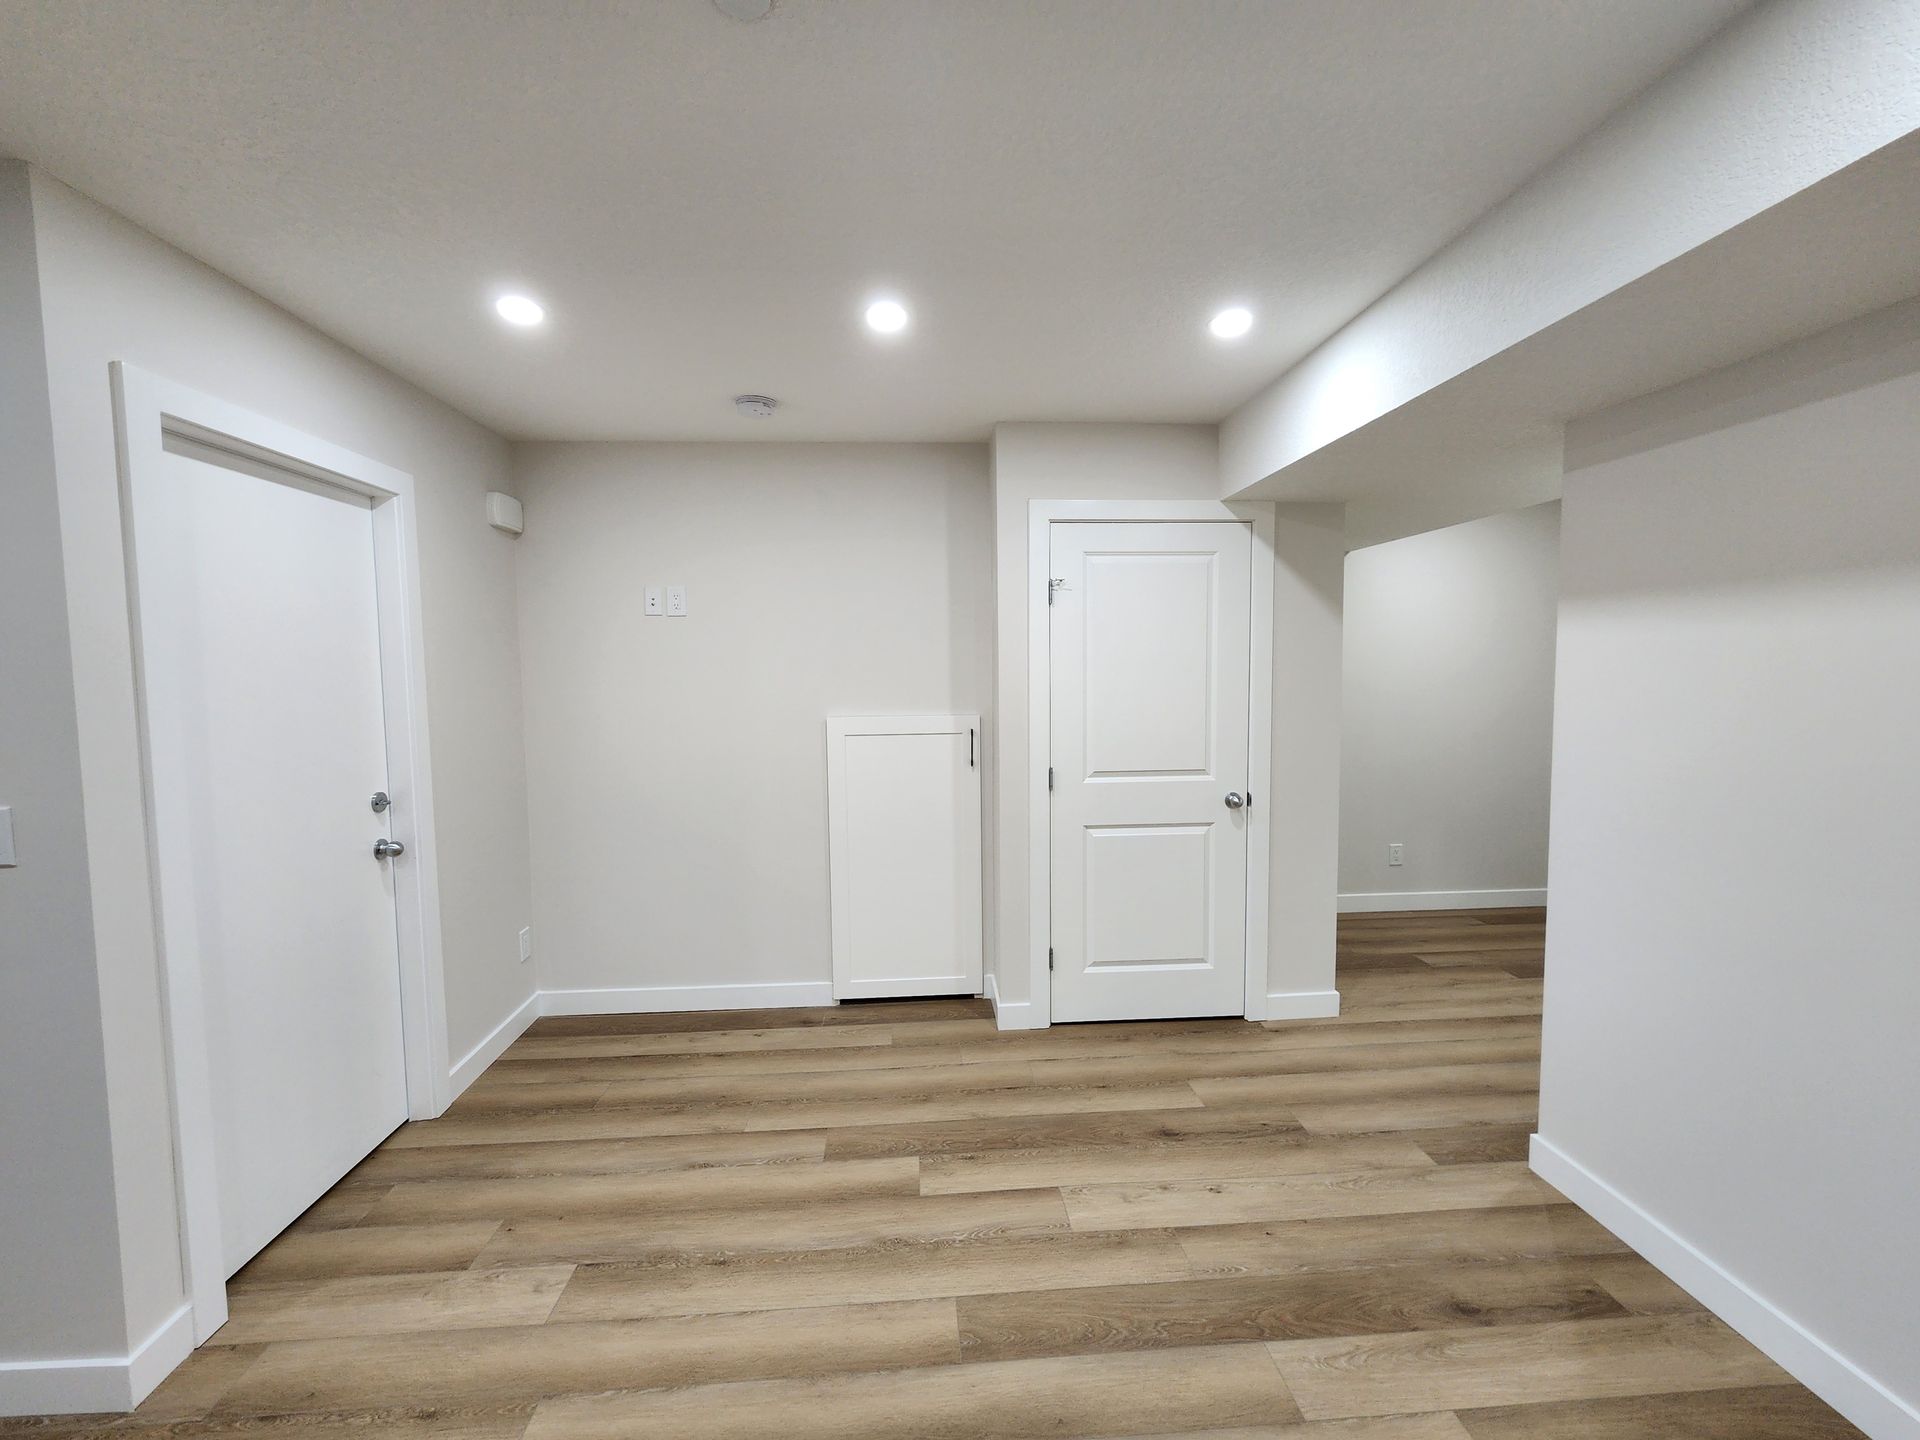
column 109, row 291
column 1036, row 461
column 59, row 1249
column 1730, row 1059
column 1785, row 96
column 678, row 766
column 1448, row 715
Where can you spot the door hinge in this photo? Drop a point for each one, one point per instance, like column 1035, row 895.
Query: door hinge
column 1053, row 585
column 1049, row 957
column 1049, row 777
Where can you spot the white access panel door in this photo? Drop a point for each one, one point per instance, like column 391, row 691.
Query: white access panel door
column 903, row 800
column 1150, row 629
column 261, row 665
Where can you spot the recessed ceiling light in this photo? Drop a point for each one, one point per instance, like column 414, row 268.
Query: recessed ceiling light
column 520, row 310
column 1232, row 323
column 889, row 317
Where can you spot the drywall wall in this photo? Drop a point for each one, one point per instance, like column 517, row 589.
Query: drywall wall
column 1038, row 461
column 58, row 1247
column 678, row 765
column 1730, row 1071
column 1448, row 715
column 1783, row 97
column 109, row 291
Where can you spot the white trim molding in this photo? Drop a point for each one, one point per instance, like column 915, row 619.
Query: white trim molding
column 653, row 999
column 473, row 1064
column 1784, row 1340
column 1009, row 1014
column 1367, row 902
column 1303, row 1004
column 1041, row 516
column 97, row 1386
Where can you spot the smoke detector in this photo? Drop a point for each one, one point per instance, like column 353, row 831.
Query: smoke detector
column 755, row 407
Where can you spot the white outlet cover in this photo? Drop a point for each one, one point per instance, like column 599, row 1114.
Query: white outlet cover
column 676, row 599
column 655, row 605
column 526, row 944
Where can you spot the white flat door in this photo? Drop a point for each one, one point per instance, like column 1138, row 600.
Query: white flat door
column 1150, row 628
column 261, row 667
column 903, row 796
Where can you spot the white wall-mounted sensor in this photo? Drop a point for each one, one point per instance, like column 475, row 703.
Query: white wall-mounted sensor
column 755, row 407
column 504, row 513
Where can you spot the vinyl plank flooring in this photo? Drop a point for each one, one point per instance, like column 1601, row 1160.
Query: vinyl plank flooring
column 642, row 1197
column 534, row 1158
column 833, row 1225
column 891, row 1219
column 526, row 1362
column 1471, row 1369
column 1408, row 1114
column 369, row 1250
column 621, row 1122
column 1230, row 1308
column 693, row 1284
column 1285, row 1154
column 388, row 1304
column 1475, row 1144
column 1366, row 1242
column 1082, row 1395
column 1359, row 1192
column 1134, row 1131
column 1770, row 1412
column 1521, row 1077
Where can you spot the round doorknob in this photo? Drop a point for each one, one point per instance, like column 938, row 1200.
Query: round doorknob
column 1235, row 800
column 388, row 849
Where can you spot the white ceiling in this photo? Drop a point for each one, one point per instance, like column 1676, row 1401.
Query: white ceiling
column 1062, row 191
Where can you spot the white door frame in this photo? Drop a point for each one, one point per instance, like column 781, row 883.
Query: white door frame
column 146, row 410
column 1041, row 516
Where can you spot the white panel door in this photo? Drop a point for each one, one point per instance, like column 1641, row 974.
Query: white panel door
column 903, row 799
column 261, row 664
column 1150, row 628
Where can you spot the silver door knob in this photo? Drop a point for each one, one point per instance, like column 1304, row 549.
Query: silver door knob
column 1235, row 800
column 387, row 849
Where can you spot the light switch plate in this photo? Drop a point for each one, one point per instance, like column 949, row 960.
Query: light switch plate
column 654, row 603
column 526, row 945
column 6, row 836
column 676, row 599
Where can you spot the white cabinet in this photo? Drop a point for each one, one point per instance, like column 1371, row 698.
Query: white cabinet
column 903, row 801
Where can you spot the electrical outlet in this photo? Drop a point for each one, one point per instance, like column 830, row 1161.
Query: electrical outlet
column 1396, row 854
column 655, row 606
column 526, row 945
column 676, row 600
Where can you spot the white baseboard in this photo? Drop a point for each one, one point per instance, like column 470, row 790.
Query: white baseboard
column 490, row 1049
column 648, row 999
column 1790, row 1345
column 96, row 1386
column 1009, row 1014
column 1366, row 902
column 1303, row 1004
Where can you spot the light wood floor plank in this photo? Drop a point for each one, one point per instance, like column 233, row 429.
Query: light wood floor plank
column 1220, row 1385
column 1470, row 1369
column 894, row 1220
column 1359, row 1192
column 470, row 1367
column 386, row 1304
column 694, row 1284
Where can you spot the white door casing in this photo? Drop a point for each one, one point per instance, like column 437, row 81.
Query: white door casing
column 1150, row 645
column 903, row 798
column 160, row 425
